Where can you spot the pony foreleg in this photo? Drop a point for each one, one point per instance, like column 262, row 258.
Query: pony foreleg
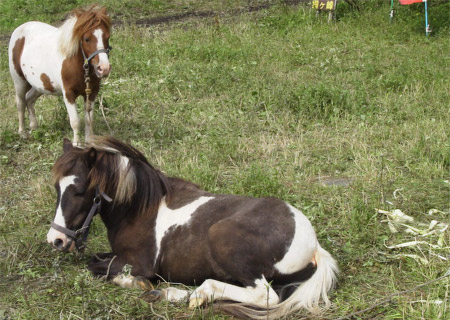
column 132, row 282
column 88, row 119
column 74, row 120
column 111, row 267
column 260, row 295
column 105, row 265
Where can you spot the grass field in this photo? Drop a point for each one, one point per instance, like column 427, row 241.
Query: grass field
column 338, row 119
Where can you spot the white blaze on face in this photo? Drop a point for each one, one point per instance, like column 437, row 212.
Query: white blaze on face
column 53, row 234
column 103, row 67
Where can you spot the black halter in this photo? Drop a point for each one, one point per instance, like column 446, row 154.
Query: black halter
column 87, row 60
column 80, row 235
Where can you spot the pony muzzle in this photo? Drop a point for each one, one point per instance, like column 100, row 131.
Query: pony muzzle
column 102, row 70
column 60, row 241
column 101, row 65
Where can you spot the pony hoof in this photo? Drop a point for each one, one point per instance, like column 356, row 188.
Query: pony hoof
column 142, row 283
column 196, row 302
column 152, row 296
column 23, row 134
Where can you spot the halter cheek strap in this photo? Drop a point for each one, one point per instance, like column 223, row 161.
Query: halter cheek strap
column 80, row 235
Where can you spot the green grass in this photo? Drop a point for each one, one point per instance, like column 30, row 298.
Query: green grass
column 264, row 104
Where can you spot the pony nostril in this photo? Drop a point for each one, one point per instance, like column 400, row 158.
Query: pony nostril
column 58, row 244
column 103, row 70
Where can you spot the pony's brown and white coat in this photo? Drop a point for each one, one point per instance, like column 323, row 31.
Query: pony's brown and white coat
column 48, row 60
column 239, row 248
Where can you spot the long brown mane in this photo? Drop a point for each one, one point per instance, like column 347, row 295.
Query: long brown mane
column 120, row 170
column 79, row 22
column 88, row 19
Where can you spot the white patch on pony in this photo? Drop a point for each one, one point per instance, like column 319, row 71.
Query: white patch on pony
column 53, row 234
column 168, row 218
column 303, row 245
column 174, row 295
column 40, row 56
column 260, row 295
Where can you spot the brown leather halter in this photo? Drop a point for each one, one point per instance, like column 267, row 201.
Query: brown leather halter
column 80, row 235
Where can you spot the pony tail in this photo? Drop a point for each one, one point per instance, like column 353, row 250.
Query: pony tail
column 311, row 292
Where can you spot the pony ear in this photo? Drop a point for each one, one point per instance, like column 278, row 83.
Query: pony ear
column 67, row 145
column 91, row 156
column 78, row 12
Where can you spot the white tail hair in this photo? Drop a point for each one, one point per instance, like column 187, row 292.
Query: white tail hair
column 308, row 295
column 67, row 44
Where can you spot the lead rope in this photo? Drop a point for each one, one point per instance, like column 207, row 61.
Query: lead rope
column 102, row 109
column 87, row 81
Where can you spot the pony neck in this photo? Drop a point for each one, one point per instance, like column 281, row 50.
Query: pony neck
column 136, row 187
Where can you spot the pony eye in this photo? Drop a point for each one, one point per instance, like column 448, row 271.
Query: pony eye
column 86, row 39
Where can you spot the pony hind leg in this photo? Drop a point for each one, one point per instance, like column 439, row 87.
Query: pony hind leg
column 30, row 98
column 260, row 295
column 21, row 89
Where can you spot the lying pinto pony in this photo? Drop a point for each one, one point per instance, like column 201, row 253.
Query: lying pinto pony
column 239, row 248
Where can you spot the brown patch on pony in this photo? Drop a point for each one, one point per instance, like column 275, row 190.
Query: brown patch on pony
column 47, row 83
column 17, row 55
column 186, row 191
column 89, row 19
column 72, row 75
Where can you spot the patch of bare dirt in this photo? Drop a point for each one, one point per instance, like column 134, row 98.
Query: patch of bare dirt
column 206, row 14
column 180, row 17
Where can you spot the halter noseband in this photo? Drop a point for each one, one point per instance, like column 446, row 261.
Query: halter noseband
column 88, row 59
column 80, row 235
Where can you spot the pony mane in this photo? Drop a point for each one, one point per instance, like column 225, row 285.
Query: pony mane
column 78, row 23
column 121, row 171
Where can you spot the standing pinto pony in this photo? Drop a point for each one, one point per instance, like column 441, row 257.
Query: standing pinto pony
column 68, row 61
column 238, row 248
